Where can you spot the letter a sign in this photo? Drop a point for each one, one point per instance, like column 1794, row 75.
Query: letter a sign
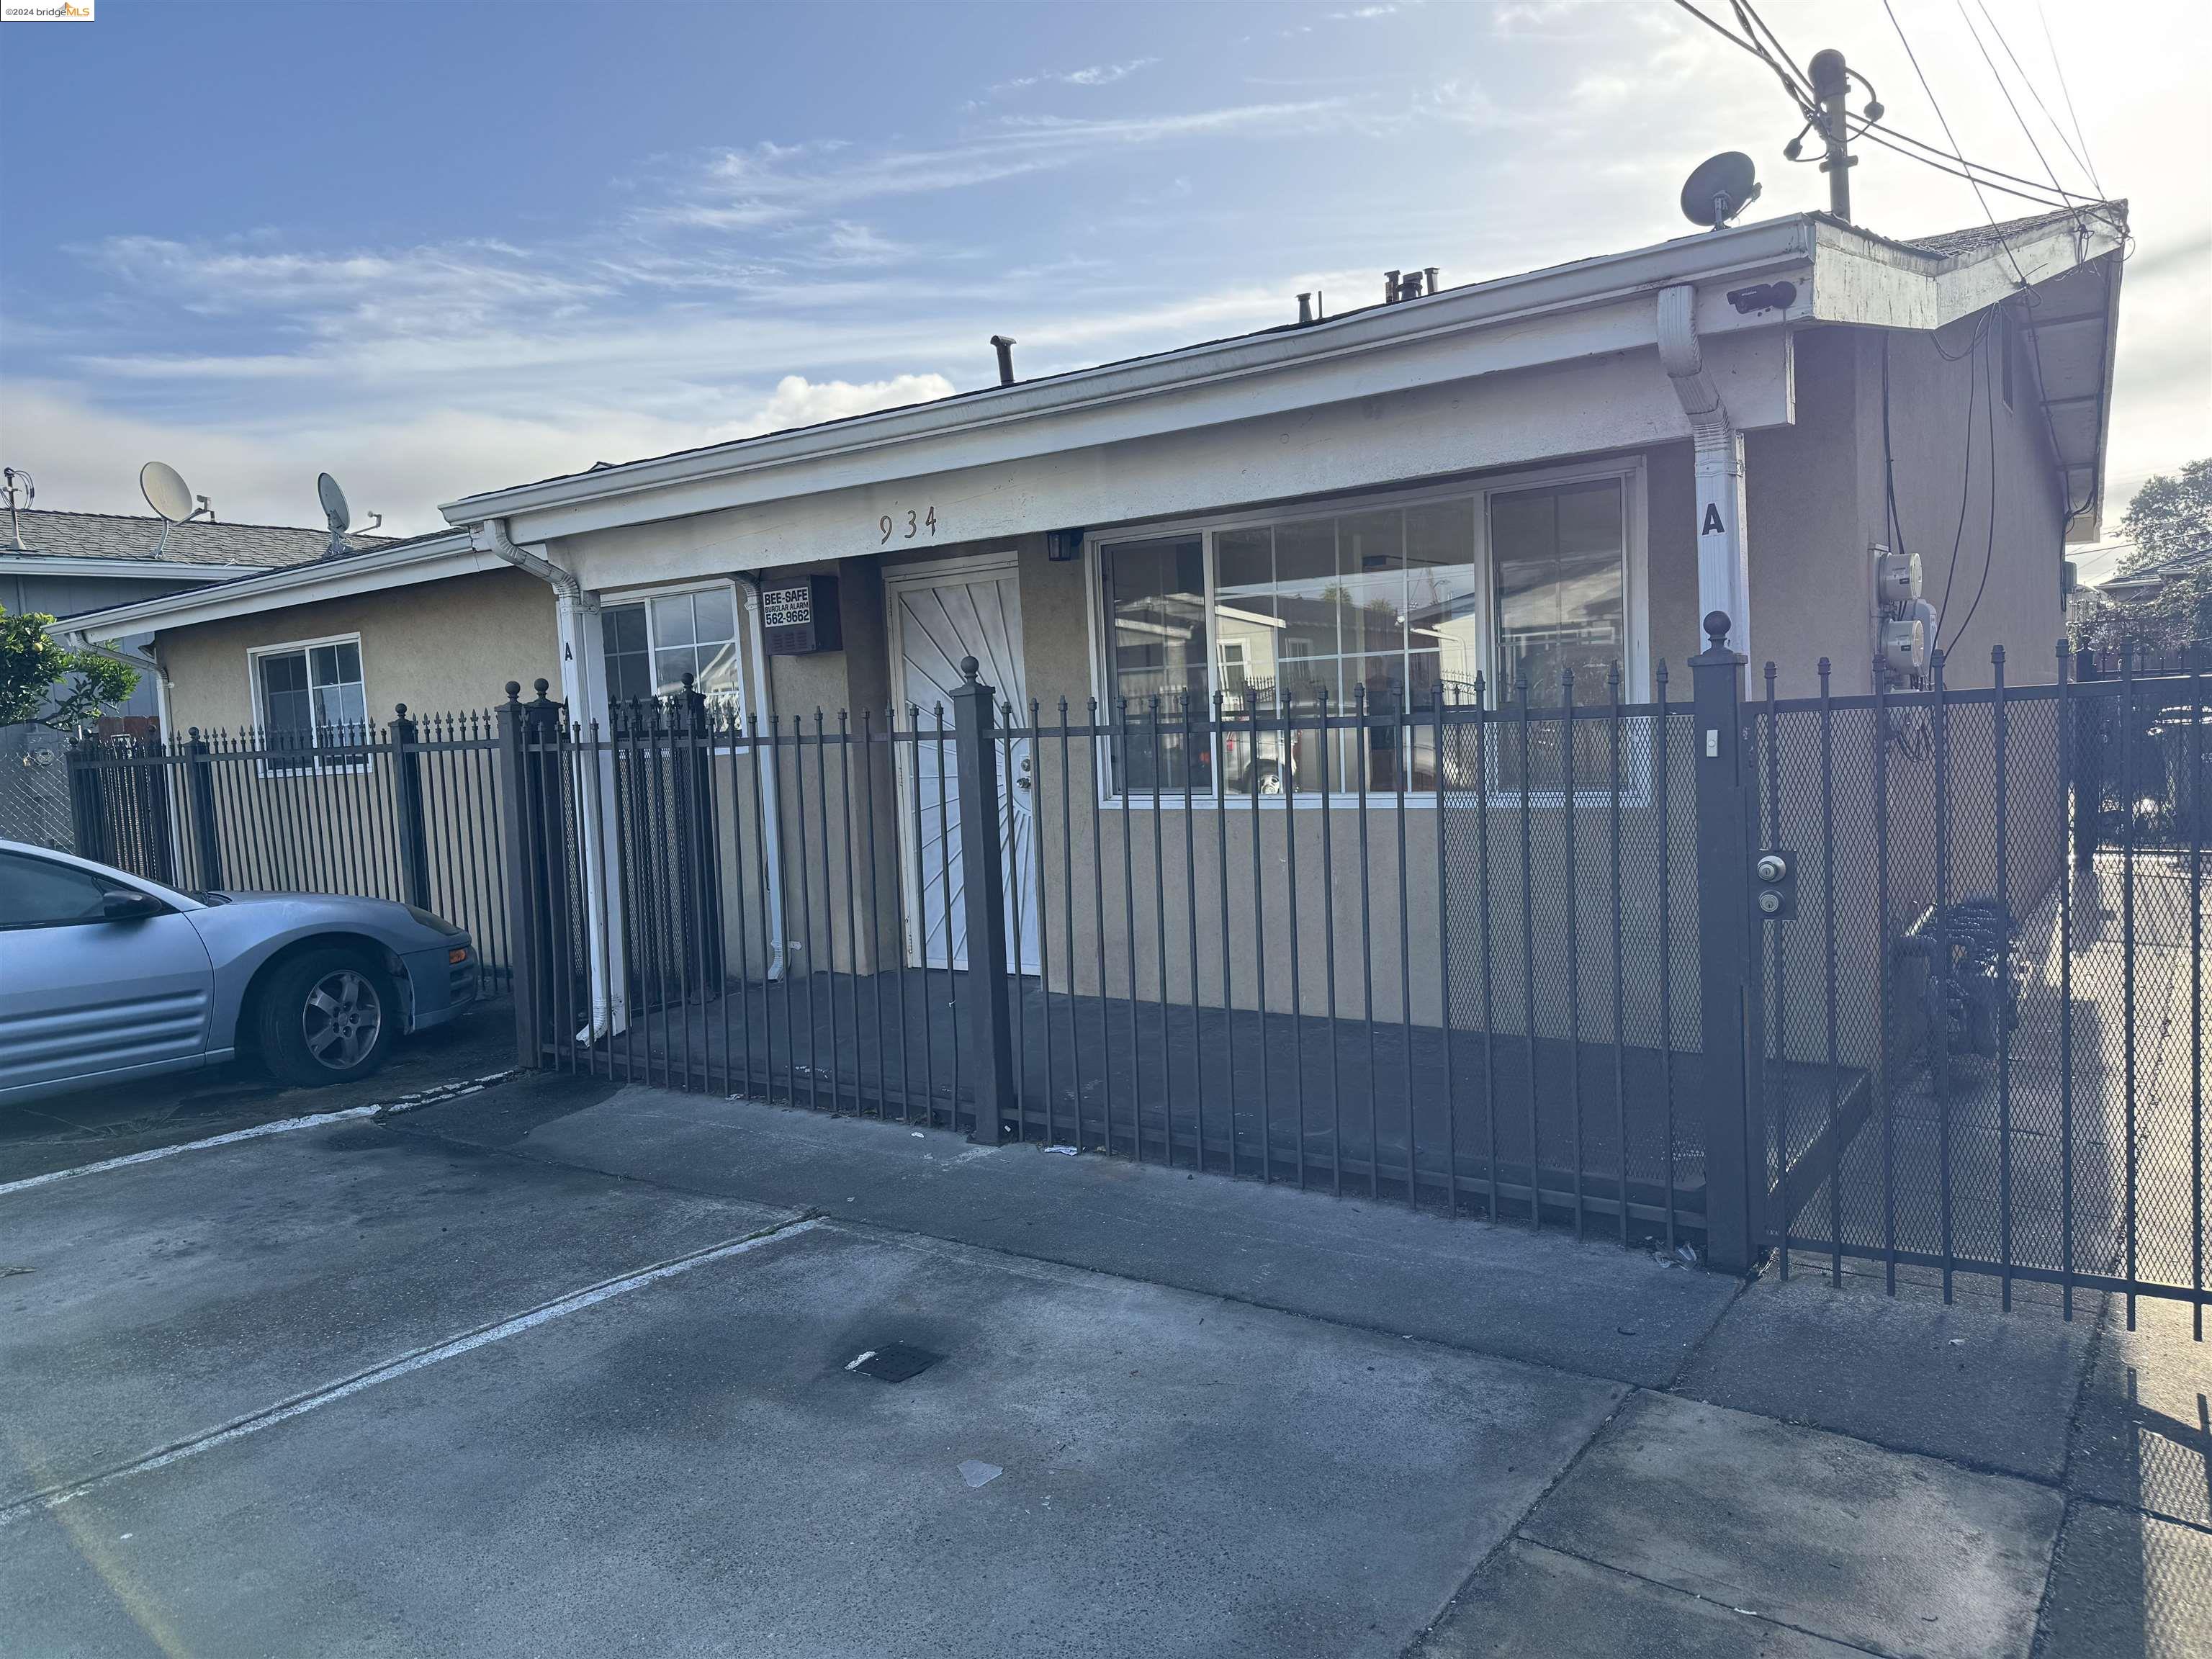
column 1712, row 525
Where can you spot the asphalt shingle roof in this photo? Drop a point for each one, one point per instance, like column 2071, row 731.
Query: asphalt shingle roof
column 1950, row 244
column 122, row 536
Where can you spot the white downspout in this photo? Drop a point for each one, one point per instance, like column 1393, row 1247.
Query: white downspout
column 1724, row 559
column 771, row 805
column 583, row 688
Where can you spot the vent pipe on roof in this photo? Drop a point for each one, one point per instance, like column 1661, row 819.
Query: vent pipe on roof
column 1006, row 348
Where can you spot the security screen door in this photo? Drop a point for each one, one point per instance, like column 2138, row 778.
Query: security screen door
column 973, row 609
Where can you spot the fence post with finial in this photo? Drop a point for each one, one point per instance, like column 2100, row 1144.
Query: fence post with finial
column 984, row 1012
column 409, row 822
column 1730, row 985
column 199, row 796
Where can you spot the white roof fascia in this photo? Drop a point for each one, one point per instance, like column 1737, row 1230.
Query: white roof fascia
column 449, row 555
column 1776, row 247
column 1864, row 280
column 61, row 565
column 2090, row 526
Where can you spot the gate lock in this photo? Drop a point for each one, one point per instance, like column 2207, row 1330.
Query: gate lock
column 1777, row 894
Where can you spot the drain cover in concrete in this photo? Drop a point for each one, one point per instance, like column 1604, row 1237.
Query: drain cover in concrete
column 894, row 1362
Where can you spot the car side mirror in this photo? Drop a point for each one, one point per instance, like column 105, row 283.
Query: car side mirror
column 131, row 906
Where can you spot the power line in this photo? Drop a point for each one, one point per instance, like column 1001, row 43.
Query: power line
column 2089, row 164
column 1755, row 50
column 2028, row 81
column 1966, row 476
column 1943, row 120
column 2027, row 132
column 1989, row 553
column 2029, row 195
column 1983, row 167
column 1979, row 173
column 1755, row 26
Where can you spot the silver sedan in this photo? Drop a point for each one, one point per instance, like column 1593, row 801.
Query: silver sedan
column 107, row 976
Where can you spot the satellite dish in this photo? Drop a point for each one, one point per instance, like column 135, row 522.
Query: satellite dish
column 168, row 494
column 1721, row 188
column 164, row 491
column 335, row 509
column 335, row 513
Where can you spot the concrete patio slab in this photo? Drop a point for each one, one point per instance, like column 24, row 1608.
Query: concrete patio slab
column 1593, row 1308
column 1584, row 1611
column 1093, row 1467
column 1890, row 1551
column 2143, row 1436
column 158, row 1301
column 1968, row 1383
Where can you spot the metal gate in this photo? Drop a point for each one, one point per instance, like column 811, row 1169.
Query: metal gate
column 1885, row 977
column 2001, row 913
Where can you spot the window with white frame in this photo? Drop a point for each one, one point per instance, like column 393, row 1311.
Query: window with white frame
column 313, row 705
column 652, row 643
column 1386, row 606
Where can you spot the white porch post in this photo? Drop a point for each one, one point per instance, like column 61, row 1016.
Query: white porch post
column 1724, row 558
column 584, row 689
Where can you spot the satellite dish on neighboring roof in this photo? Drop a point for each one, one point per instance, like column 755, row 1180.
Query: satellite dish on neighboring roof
column 164, row 491
column 1722, row 188
column 334, row 502
column 335, row 513
column 168, row 494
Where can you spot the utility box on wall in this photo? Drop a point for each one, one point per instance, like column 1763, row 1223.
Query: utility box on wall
column 801, row 615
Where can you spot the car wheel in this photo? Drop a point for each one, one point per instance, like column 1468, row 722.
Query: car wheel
column 327, row 1016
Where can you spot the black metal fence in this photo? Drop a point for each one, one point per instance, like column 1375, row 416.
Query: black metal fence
column 1523, row 958
column 410, row 809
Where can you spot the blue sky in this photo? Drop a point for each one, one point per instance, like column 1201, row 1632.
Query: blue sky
column 439, row 247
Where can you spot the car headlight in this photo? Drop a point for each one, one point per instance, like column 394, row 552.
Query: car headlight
column 436, row 924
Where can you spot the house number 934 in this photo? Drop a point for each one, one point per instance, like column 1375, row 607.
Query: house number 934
column 906, row 525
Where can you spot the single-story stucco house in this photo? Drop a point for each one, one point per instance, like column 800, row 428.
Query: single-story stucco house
column 1563, row 470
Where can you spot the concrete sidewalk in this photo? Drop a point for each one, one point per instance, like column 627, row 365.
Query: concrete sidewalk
column 562, row 1367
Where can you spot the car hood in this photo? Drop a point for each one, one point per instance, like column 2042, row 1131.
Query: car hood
column 315, row 901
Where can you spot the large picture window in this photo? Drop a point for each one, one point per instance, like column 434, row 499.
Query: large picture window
column 1380, row 606
column 313, row 705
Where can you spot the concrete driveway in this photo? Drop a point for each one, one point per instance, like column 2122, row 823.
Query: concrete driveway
column 66, row 1131
column 550, row 1368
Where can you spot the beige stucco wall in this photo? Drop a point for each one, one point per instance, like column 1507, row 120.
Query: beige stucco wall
column 832, row 909
column 1815, row 503
column 442, row 647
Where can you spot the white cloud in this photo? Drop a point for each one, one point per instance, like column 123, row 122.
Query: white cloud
column 1092, row 74
column 87, row 459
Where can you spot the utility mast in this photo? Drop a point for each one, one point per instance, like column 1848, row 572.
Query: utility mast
column 1831, row 85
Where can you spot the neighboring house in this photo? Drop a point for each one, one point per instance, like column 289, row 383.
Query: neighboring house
column 61, row 563
column 1565, row 469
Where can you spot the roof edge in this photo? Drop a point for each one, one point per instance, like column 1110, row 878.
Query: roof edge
column 421, row 559
column 1576, row 285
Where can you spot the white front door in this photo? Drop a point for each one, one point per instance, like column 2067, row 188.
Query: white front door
column 972, row 608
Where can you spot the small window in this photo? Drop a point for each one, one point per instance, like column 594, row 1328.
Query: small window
column 629, row 657
column 40, row 893
column 314, row 711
